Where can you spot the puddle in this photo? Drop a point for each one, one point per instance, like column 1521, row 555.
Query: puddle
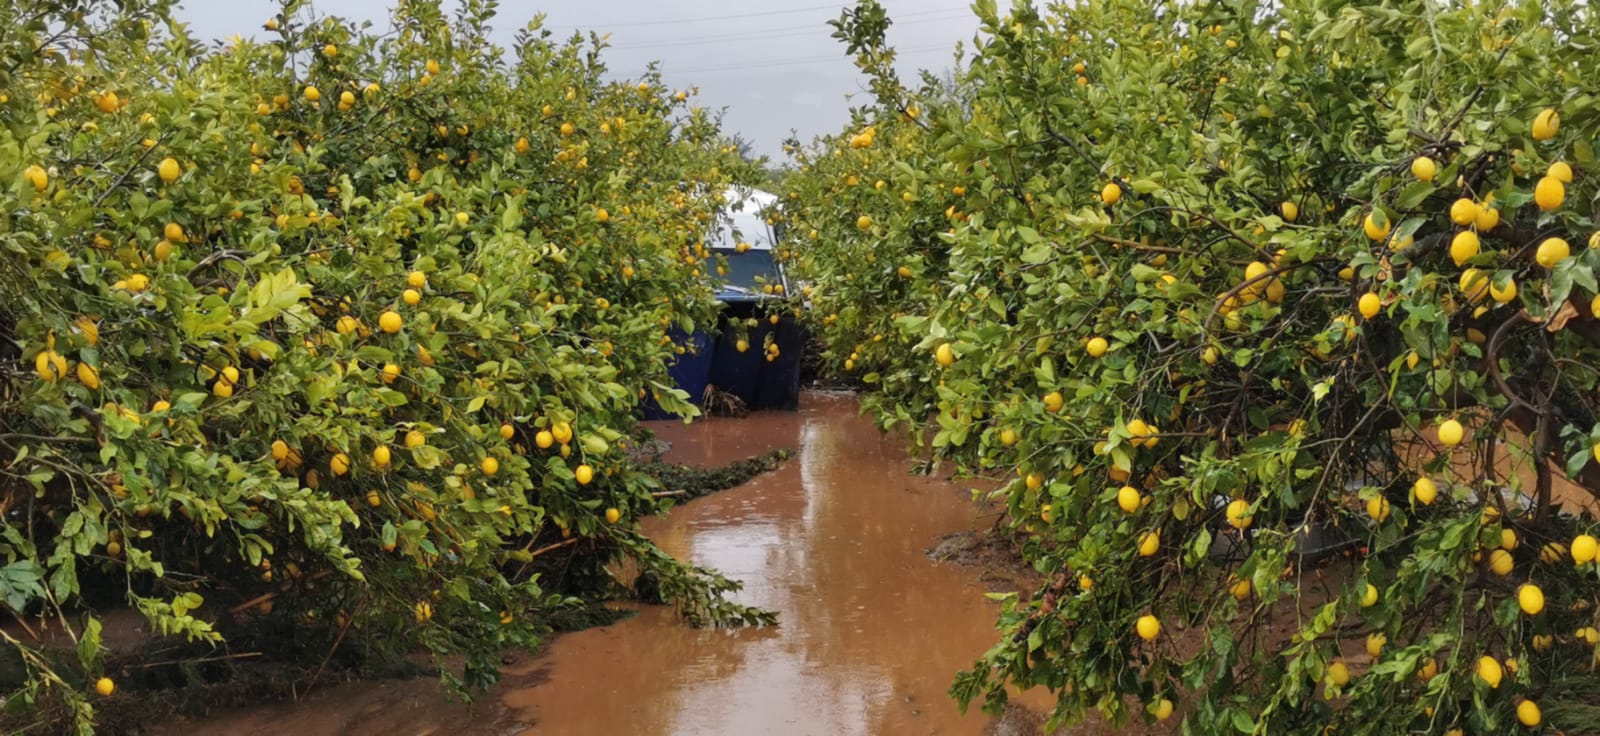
column 872, row 631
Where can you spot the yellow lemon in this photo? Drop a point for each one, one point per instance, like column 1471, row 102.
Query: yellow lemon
column 1528, row 714
column 168, row 170
column 1546, row 124
column 1425, row 491
column 105, row 686
column 1376, row 225
column 1053, row 401
column 489, row 466
column 1238, row 514
column 1450, row 432
column 1503, row 295
column 944, row 355
column 1488, row 218
column 1501, row 563
column 1424, row 168
column 1369, row 305
column 1096, row 347
column 1149, row 544
column 1584, row 548
column 1531, row 599
column 1111, row 193
column 1549, row 193
column 1551, row 252
column 613, row 515
column 390, row 322
column 1464, row 246
column 1489, row 671
column 339, row 464
column 584, row 474
column 312, row 94
column 1148, row 627
column 1290, row 210
column 1560, row 170
column 1128, row 499
column 1378, row 508
column 1464, row 212
column 1375, row 644
column 381, row 456
column 1369, row 596
column 1339, row 674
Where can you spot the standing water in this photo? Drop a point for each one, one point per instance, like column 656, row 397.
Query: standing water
column 871, row 631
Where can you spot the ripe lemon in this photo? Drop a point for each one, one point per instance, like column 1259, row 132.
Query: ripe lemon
column 416, row 279
column 1551, row 252
column 1425, row 491
column 415, row 438
column 423, row 611
column 1375, row 644
column 1424, row 168
column 1148, row 627
column 1378, row 508
column 1474, row 284
column 1546, row 124
column 1210, row 355
column 339, row 464
column 489, row 466
column 1240, row 590
column 1290, row 210
column 1464, row 246
column 1528, row 714
column 390, row 322
column 944, row 355
column 1376, row 225
column 584, row 474
column 1463, row 212
column 411, row 297
column 1549, row 193
column 1096, row 347
column 1128, row 499
column 280, row 449
column 1339, row 674
column 432, row 66
column 1238, row 514
column 507, row 431
column 544, row 439
column 1008, row 437
column 1488, row 218
column 1149, row 544
column 613, row 515
column 1531, row 599
column 381, row 456
column 168, row 170
column 1450, row 432
column 1033, row 481
column 1369, row 305
column 1053, row 401
column 312, row 94
column 1489, row 671
column 36, row 176
column 1584, row 548
column 1111, row 193
column 1508, row 539
column 105, row 686
column 1162, row 709
column 1552, row 553
column 1369, row 596
column 88, row 376
column 373, row 499
column 864, row 222
column 1501, row 563
column 1560, row 170
column 1502, row 296
column 602, row 216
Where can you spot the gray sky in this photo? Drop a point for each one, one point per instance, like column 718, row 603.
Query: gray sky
column 770, row 63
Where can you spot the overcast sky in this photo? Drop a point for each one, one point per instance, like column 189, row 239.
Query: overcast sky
column 770, row 63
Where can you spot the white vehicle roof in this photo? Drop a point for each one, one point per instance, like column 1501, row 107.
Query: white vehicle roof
column 745, row 221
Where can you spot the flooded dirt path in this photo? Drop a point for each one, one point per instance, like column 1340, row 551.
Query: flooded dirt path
column 871, row 630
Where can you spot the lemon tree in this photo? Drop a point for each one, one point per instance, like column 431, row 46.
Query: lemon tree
column 1273, row 325
column 342, row 327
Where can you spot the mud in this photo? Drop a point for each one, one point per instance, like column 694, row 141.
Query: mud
column 835, row 539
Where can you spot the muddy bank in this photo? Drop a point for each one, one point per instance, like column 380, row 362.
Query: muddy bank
column 835, row 540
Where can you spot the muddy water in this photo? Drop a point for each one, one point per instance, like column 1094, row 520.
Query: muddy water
column 872, row 631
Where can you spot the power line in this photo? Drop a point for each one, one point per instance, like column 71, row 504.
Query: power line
column 732, row 16
column 807, row 60
column 702, row 19
column 772, row 33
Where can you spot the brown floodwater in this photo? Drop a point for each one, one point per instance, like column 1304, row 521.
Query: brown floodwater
column 871, row 634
